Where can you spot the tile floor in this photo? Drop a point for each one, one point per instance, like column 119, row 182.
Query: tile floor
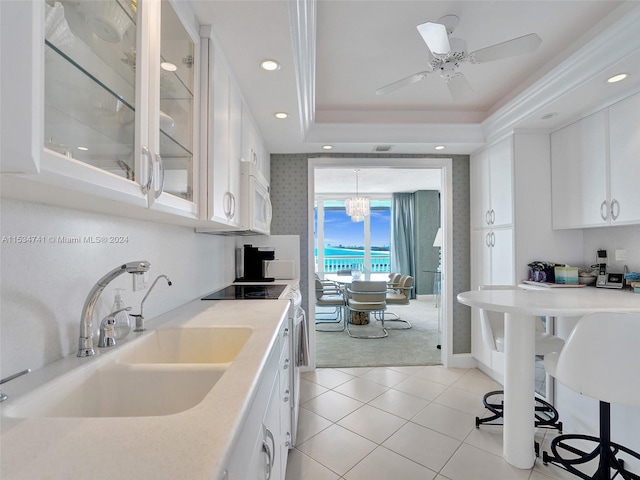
column 401, row 422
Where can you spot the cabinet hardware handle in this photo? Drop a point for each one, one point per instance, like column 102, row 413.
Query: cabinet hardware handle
column 285, row 333
column 615, row 212
column 286, row 364
column 285, row 399
column 161, row 174
column 266, row 449
column 487, row 217
column 493, row 216
column 487, row 240
column 227, row 199
column 604, row 210
column 233, row 205
column 147, row 186
column 493, row 239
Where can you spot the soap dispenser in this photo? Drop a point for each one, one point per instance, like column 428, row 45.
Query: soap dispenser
column 123, row 322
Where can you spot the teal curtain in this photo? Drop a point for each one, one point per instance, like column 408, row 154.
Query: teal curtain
column 402, row 235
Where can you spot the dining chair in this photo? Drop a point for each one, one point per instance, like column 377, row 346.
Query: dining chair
column 600, row 360
column 492, row 328
column 399, row 293
column 329, row 295
column 367, row 297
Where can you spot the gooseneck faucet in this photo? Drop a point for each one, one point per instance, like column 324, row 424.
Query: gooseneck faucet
column 140, row 317
column 85, row 342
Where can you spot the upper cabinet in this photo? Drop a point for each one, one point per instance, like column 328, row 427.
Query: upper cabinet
column 492, row 186
column 595, row 165
column 624, row 161
column 113, row 102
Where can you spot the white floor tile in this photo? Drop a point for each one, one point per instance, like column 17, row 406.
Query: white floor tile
column 440, row 374
column 308, row 390
column 301, row 466
column 399, row 403
column 477, row 382
column 472, row 463
column 310, row 424
column 372, row 423
column 361, row 389
column 327, row 377
column 337, row 448
column 355, row 371
column 332, row 405
column 422, row 445
column 446, row 420
column 487, row 437
column 420, row 387
column 464, row 401
column 385, row 376
column 383, row 464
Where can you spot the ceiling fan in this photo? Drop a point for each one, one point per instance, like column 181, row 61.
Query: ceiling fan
column 449, row 52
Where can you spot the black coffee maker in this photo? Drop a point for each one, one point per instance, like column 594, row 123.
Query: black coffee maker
column 252, row 263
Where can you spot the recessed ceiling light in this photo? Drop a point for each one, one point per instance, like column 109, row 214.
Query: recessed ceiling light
column 281, row 115
column 327, row 147
column 439, row 147
column 168, row 66
column 617, row 78
column 270, row 65
column 84, row 149
column 549, row 115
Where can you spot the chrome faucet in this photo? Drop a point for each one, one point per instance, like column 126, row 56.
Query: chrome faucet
column 3, row 396
column 85, row 342
column 140, row 317
column 108, row 329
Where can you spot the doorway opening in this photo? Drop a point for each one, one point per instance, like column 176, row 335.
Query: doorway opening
column 331, row 181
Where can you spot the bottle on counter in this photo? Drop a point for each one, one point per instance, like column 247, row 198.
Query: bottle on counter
column 123, row 321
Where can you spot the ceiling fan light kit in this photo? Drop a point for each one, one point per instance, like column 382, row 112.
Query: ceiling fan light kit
column 449, row 52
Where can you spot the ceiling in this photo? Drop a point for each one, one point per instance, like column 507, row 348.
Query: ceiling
column 345, row 50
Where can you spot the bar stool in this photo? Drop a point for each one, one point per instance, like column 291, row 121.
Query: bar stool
column 600, row 359
column 492, row 327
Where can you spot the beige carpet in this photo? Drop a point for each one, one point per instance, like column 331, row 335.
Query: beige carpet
column 414, row 346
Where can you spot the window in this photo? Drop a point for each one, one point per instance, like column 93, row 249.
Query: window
column 348, row 243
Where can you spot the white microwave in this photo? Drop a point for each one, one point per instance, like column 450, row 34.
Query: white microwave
column 256, row 208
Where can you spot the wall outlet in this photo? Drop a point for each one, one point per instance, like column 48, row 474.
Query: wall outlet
column 621, row 255
column 140, row 282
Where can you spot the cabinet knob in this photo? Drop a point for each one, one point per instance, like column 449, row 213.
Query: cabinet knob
column 286, row 364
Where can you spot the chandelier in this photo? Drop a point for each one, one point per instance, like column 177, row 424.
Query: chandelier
column 357, row 207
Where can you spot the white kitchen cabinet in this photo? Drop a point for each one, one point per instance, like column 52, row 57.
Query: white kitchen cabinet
column 261, row 449
column 624, row 161
column 253, row 149
column 492, row 186
column 97, row 131
column 579, row 173
column 595, row 165
column 224, row 137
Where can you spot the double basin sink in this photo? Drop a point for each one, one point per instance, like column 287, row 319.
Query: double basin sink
column 164, row 372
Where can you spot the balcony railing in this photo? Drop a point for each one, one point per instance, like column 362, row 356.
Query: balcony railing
column 333, row 264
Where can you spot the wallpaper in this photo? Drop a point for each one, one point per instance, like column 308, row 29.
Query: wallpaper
column 289, row 173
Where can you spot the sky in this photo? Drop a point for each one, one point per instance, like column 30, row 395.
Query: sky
column 340, row 230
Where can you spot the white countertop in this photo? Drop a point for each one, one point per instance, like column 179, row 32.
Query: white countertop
column 568, row 302
column 193, row 444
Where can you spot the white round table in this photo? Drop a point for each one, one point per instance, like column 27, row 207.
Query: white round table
column 520, row 308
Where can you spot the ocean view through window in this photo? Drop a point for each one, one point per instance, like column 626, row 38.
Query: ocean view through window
column 346, row 243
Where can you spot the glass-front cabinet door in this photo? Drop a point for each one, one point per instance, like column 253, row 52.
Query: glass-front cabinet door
column 112, row 98
column 176, row 71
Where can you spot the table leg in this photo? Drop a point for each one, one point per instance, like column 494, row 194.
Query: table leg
column 519, row 388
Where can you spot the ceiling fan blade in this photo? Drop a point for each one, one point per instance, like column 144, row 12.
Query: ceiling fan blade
column 459, row 87
column 510, row 48
column 436, row 38
column 416, row 77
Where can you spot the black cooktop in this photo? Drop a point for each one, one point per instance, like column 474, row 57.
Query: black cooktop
column 247, row 292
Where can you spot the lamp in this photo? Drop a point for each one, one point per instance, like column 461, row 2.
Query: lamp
column 357, row 207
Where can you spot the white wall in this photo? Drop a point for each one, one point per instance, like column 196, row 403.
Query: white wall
column 612, row 239
column 44, row 284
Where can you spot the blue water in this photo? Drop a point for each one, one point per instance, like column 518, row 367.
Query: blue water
column 345, row 252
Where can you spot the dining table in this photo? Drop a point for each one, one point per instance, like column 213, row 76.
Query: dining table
column 520, row 308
